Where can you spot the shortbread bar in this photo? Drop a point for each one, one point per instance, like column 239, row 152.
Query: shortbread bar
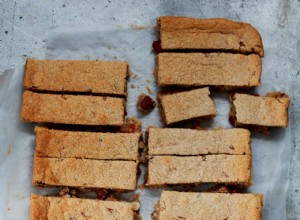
column 182, row 33
column 221, row 70
column 85, row 173
column 208, row 206
column 88, row 145
column 72, row 109
column 268, row 111
column 188, row 142
column 52, row 208
column 182, row 170
column 186, row 105
column 98, row 77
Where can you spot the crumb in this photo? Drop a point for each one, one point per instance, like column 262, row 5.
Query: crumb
column 102, row 194
column 143, row 156
column 133, row 75
column 136, row 197
column 149, row 90
column 64, row 192
column 139, row 27
column 9, row 149
column 131, row 125
column 148, row 81
column 86, row 56
column 142, row 186
column 145, row 103
column 133, row 86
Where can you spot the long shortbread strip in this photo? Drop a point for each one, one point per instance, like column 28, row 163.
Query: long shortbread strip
column 86, row 173
column 92, row 145
column 178, row 141
column 208, row 69
column 170, row 170
column 50, row 208
column 72, row 109
column 100, row 77
column 208, row 206
column 208, row 34
column 271, row 110
column 186, row 105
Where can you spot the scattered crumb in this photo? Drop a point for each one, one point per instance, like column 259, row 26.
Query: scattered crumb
column 136, row 197
column 145, row 103
column 139, row 27
column 102, row 194
column 142, row 186
column 143, row 156
column 86, row 56
column 9, row 149
column 133, row 75
column 131, row 125
column 148, row 81
column 149, row 90
column 133, row 86
column 219, row 127
column 8, row 209
column 142, row 145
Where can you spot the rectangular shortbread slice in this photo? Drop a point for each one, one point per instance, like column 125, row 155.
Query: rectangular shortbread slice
column 85, row 173
column 183, row 33
column 72, row 109
column 52, row 208
column 174, row 170
column 89, row 145
column 270, row 110
column 208, row 206
column 222, row 70
column 187, row 142
column 186, row 105
column 98, row 77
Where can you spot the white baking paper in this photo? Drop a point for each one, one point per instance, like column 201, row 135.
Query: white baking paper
column 271, row 154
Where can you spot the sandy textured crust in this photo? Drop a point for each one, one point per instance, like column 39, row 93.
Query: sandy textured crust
column 86, row 173
column 103, row 77
column 53, row 208
column 164, row 170
column 178, row 141
column 261, row 111
column 72, row 109
column 209, row 34
column 208, row 69
column 209, row 206
column 187, row 105
column 92, row 145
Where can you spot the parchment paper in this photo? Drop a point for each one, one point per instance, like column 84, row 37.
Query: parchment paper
column 271, row 155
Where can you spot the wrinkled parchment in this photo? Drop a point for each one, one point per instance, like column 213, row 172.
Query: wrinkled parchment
column 271, row 155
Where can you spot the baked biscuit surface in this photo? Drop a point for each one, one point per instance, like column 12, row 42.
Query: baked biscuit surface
column 88, row 145
column 99, row 77
column 208, row 34
column 261, row 111
column 85, row 173
column 174, row 170
column 208, row 69
column 188, row 142
column 209, row 206
column 186, row 105
column 52, row 208
column 72, row 109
